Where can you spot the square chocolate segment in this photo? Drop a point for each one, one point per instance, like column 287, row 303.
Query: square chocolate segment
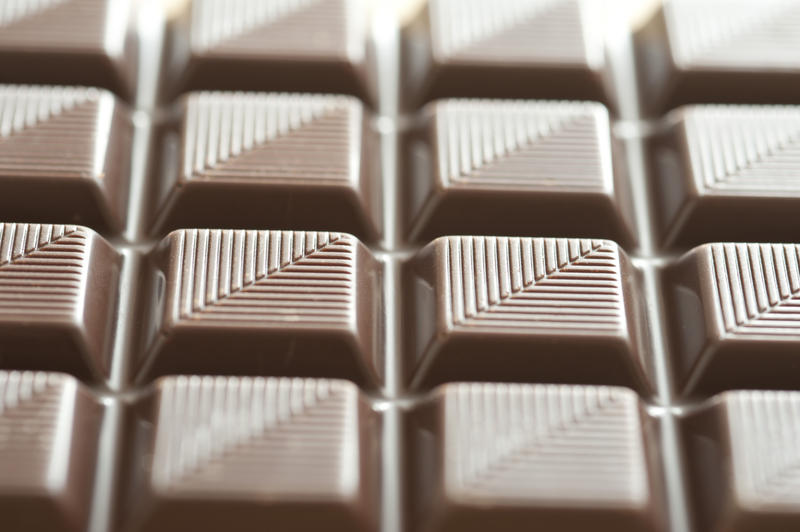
column 58, row 295
column 742, row 452
column 69, row 42
column 294, row 45
column 734, row 317
column 728, row 173
column 503, row 457
column 505, row 49
column 74, row 140
column 264, row 303
column 249, row 453
column 516, row 168
column 719, row 51
column 271, row 160
column 49, row 431
column 523, row 309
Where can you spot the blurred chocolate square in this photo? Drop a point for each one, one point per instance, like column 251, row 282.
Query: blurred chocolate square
column 718, row 51
column 65, row 155
column 741, row 449
column 508, row 457
column 69, row 42
column 49, row 438
column 523, row 309
column 260, row 160
column 734, row 315
column 727, row 173
column 263, row 303
column 505, row 49
column 249, row 453
column 58, row 297
column 294, row 46
column 516, row 168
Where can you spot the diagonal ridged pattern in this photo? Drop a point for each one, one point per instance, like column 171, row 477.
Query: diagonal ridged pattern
column 272, row 137
column 33, row 423
column 261, row 28
column 764, row 433
column 534, row 283
column 544, row 442
column 42, row 270
column 53, row 131
column 271, row 277
column 526, row 31
column 282, row 437
column 734, row 33
column 744, row 149
column 758, row 288
column 552, row 145
column 71, row 24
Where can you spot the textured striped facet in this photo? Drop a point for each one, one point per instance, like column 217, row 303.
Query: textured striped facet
column 54, row 131
column 535, row 444
column 512, row 31
column 259, row 28
column 41, row 23
column 263, row 277
column 748, row 150
column 42, row 270
column 734, row 33
column 534, row 284
column 764, row 431
column 288, row 438
column 279, row 138
column 35, row 421
column 526, row 145
column 758, row 288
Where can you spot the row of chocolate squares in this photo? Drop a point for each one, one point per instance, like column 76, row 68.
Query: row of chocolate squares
column 688, row 51
column 719, row 173
column 473, row 308
column 244, row 453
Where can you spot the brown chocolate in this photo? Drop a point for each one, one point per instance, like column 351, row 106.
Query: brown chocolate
column 261, row 160
column 58, row 293
column 49, row 430
column 236, row 453
column 741, row 450
column 718, row 51
column 733, row 317
column 295, row 45
column 727, row 173
column 504, row 49
column 515, row 168
column 69, row 42
column 75, row 141
column 263, row 303
column 523, row 309
column 502, row 457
